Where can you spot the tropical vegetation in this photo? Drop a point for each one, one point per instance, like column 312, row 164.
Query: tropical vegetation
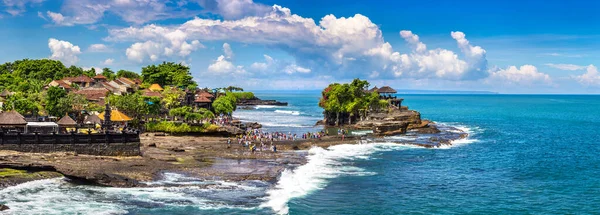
column 350, row 100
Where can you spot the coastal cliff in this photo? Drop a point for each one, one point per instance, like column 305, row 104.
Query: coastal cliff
column 394, row 122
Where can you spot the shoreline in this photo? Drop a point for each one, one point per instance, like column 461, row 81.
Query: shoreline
column 206, row 158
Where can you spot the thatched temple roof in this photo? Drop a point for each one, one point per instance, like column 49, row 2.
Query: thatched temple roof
column 66, row 121
column 12, row 118
column 386, row 89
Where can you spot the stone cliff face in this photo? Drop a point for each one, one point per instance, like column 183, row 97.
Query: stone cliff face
column 394, row 122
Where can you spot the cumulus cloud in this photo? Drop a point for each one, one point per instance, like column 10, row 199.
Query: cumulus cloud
column 569, row 67
column 227, row 50
column 223, row 65
column 17, row 7
column 98, row 48
column 108, row 61
column 63, row 51
column 172, row 44
column 344, row 47
column 524, row 75
column 293, row 68
column 75, row 12
column 590, row 78
column 234, row 9
column 263, row 66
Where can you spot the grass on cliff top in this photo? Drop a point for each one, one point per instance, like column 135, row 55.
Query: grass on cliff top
column 9, row 173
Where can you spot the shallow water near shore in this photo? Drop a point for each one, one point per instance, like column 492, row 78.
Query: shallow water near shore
column 525, row 155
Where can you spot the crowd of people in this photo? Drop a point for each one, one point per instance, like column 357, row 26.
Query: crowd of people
column 259, row 140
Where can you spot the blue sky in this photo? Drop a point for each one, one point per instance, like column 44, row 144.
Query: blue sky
column 503, row 46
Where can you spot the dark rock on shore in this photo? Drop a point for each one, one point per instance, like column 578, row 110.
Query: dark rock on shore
column 257, row 101
column 394, row 122
column 3, row 207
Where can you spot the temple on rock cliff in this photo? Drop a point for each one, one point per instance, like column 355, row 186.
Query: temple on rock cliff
column 388, row 93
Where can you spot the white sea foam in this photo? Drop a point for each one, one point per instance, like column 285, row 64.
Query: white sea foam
column 265, row 106
column 471, row 135
column 323, row 164
column 56, row 196
column 295, row 113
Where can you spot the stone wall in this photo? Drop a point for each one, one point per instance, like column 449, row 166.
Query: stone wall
column 110, row 149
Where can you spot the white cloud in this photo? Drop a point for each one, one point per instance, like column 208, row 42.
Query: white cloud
column 75, row 12
column 99, row 48
column 293, row 68
column 590, row 78
column 171, row 45
column 98, row 70
column 569, row 67
column 227, row 50
column 234, row 9
column 343, row 47
column 108, row 61
column 17, row 7
column 263, row 66
column 524, row 75
column 223, row 66
column 64, row 51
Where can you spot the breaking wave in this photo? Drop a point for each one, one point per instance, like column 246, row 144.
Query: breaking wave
column 323, row 164
column 295, row 113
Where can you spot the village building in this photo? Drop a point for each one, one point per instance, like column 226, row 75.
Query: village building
column 12, row 122
column 65, row 85
column 155, row 88
column 66, row 124
column 150, row 93
column 81, row 81
column 94, row 94
column 93, row 121
column 117, row 118
column 100, row 78
column 41, row 127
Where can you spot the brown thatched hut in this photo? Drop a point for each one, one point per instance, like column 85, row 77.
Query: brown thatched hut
column 386, row 90
column 66, row 124
column 12, row 121
column 92, row 121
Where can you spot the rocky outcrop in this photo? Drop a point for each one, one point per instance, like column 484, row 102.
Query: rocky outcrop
column 3, row 207
column 394, row 122
column 257, row 101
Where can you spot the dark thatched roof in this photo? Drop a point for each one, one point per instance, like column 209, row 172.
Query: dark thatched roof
column 202, row 99
column 92, row 119
column 66, row 121
column 12, row 118
column 386, row 89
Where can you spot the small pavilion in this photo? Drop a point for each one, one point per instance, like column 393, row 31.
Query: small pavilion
column 66, row 124
column 93, row 121
column 117, row 117
column 12, row 121
column 388, row 93
column 155, row 88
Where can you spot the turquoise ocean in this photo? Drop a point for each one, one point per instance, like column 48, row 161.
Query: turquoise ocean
column 526, row 154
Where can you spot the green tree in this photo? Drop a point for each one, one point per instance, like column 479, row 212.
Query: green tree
column 133, row 104
column 109, row 74
column 22, row 104
column 172, row 97
column 225, row 104
column 180, row 111
column 168, row 73
column 54, row 105
column 127, row 74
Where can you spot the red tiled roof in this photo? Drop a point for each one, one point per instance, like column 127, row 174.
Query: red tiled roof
column 79, row 79
column 126, row 80
column 201, row 99
column 205, row 94
column 151, row 93
column 63, row 84
column 99, row 76
column 93, row 94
